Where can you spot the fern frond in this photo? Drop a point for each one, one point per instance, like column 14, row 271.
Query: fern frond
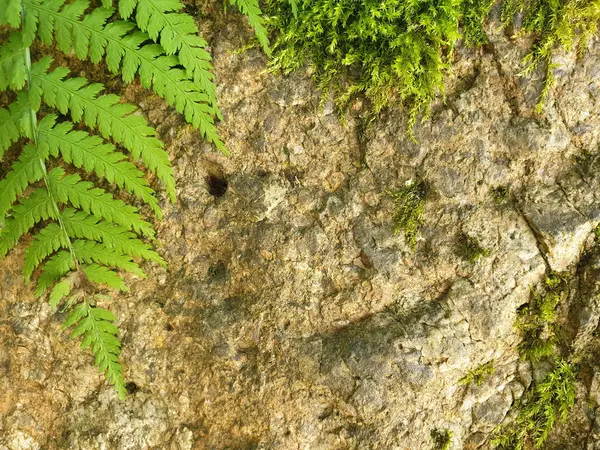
column 60, row 291
column 46, row 242
column 20, row 115
column 25, row 171
column 114, row 120
column 25, row 214
column 96, row 325
column 103, row 275
column 251, row 9
column 127, row 53
column 93, row 252
column 178, row 35
column 82, row 194
column 54, row 269
column 81, row 225
column 12, row 63
column 9, row 132
column 91, row 153
column 11, row 13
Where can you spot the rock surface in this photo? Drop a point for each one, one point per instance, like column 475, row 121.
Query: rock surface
column 290, row 315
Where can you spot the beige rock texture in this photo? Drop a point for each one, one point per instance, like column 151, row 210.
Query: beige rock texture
column 291, row 316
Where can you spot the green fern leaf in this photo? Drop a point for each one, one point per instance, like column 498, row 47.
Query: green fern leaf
column 103, row 275
column 12, row 63
column 96, row 325
column 177, row 34
column 25, row 171
column 126, row 52
column 46, row 242
column 20, row 112
column 82, row 194
column 60, row 291
column 10, row 13
column 113, row 119
column 251, row 9
column 54, row 269
column 25, row 214
column 9, row 132
column 90, row 152
column 94, row 252
column 83, row 226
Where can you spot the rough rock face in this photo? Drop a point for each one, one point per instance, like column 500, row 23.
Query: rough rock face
column 290, row 315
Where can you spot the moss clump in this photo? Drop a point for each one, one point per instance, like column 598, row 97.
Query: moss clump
column 557, row 23
column 501, row 194
column 542, row 406
column 470, row 250
column 399, row 51
column 408, row 213
column 393, row 50
column 473, row 14
column 442, row 439
column 537, row 320
column 478, row 375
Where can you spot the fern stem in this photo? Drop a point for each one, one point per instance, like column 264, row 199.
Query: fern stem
column 34, row 133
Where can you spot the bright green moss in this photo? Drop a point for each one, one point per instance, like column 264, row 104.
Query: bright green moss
column 474, row 13
column 408, row 213
column 478, row 375
column 389, row 51
column 470, row 250
column 541, row 407
column 442, row 439
column 556, row 23
column 399, row 51
column 537, row 320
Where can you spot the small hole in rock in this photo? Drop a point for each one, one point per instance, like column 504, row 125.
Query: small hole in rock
column 217, row 185
column 132, row 388
column 169, row 327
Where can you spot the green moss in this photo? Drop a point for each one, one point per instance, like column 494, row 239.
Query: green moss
column 389, row 51
column 541, row 407
column 408, row 213
column 478, row 375
column 557, row 24
column 442, row 439
column 470, row 250
column 399, row 51
column 501, row 194
column 474, row 13
column 536, row 321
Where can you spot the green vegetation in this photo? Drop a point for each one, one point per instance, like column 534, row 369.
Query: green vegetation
column 408, row 213
column 473, row 14
column 545, row 403
column 478, row 375
column 392, row 50
column 501, row 194
column 399, row 51
column 556, row 24
column 74, row 141
column 470, row 250
column 442, row 439
column 537, row 320
column 540, row 408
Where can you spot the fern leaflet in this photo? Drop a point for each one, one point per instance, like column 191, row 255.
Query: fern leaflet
column 90, row 152
column 252, row 10
column 82, row 194
column 81, row 225
column 113, row 119
column 178, row 34
column 127, row 52
column 96, row 325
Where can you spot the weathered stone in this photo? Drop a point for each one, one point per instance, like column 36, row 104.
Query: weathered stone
column 290, row 315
